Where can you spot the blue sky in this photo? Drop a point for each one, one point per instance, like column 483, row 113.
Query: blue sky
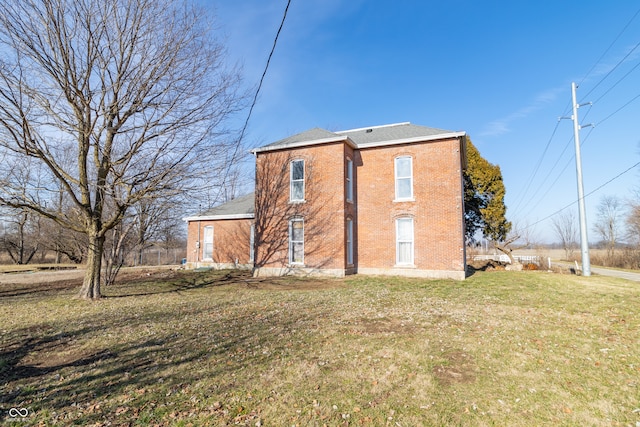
column 501, row 71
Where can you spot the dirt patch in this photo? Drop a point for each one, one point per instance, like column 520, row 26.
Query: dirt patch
column 385, row 326
column 458, row 368
column 42, row 277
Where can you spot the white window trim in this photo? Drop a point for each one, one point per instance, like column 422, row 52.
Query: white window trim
column 350, row 254
column 349, row 180
column 204, row 243
column 291, row 181
column 291, row 241
column 411, row 263
column 396, row 177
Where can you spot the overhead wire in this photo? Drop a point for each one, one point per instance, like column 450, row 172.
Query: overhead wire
column 255, row 99
column 537, row 167
column 619, row 109
column 616, row 83
column 615, row 40
column 585, row 196
column 615, row 67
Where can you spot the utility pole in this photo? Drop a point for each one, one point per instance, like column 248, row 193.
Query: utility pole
column 584, row 242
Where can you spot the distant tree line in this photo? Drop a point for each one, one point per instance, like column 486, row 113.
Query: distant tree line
column 26, row 237
column 617, row 227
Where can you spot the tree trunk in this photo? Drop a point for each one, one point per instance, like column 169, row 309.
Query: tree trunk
column 91, row 284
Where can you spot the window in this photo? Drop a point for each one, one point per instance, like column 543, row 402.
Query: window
column 252, row 238
column 404, row 178
column 297, row 181
column 349, row 180
column 404, row 241
column 296, row 241
column 207, row 248
column 349, row 241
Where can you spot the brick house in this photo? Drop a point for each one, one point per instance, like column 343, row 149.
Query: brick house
column 222, row 236
column 377, row 200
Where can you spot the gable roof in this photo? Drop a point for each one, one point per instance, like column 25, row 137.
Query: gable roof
column 239, row 208
column 374, row 136
column 313, row 136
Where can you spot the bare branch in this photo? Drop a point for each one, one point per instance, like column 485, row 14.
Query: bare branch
column 118, row 101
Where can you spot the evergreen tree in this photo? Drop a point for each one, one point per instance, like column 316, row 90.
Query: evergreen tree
column 484, row 192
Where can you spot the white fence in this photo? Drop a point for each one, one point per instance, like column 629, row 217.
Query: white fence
column 524, row 259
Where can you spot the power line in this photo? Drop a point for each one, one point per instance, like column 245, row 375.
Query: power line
column 609, row 48
column 616, row 83
column 255, row 96
column 585, row 196
column 264, row 73
column 619, row 109
column 613, row 69
column 537, row 167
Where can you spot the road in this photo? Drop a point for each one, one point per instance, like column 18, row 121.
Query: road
column 616, row 273
column 634, row 276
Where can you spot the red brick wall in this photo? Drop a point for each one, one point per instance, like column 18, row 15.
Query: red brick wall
column 437, row 209
column 231, row 240
column 350, row 207
column 323, row 210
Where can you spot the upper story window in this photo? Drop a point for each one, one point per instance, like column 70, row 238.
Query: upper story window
column 404, row 178
column 297, row 181
column 349, row 180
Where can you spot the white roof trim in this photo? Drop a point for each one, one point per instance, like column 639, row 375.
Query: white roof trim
column 305, row 144
column 413, row 139
column 217, row 217
column 375, row 127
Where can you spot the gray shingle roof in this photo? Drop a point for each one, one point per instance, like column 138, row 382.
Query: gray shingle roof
column 242, row 206
column 309, row 135
column 361, row 138
column 391, row 133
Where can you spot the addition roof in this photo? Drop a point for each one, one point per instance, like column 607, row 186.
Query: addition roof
column 374, row 136
column 239, row 208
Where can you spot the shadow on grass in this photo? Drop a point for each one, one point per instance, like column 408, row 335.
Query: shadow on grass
column 133, row 283
column 180, row 282
column 35, row 289
column 59, row 370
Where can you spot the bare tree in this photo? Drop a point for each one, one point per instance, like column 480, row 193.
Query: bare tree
column 517, row 238
column 633, row 219
column 21, row 235
column 148, row 218
column 135, row 90
column 65, row 242
column 633, row 224
column 566, row 231
column 118, row 242
column 609, row 215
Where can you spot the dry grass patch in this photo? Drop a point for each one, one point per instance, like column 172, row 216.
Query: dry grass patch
column 221, row 348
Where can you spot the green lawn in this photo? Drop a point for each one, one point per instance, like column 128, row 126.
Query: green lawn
column 220, row 348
